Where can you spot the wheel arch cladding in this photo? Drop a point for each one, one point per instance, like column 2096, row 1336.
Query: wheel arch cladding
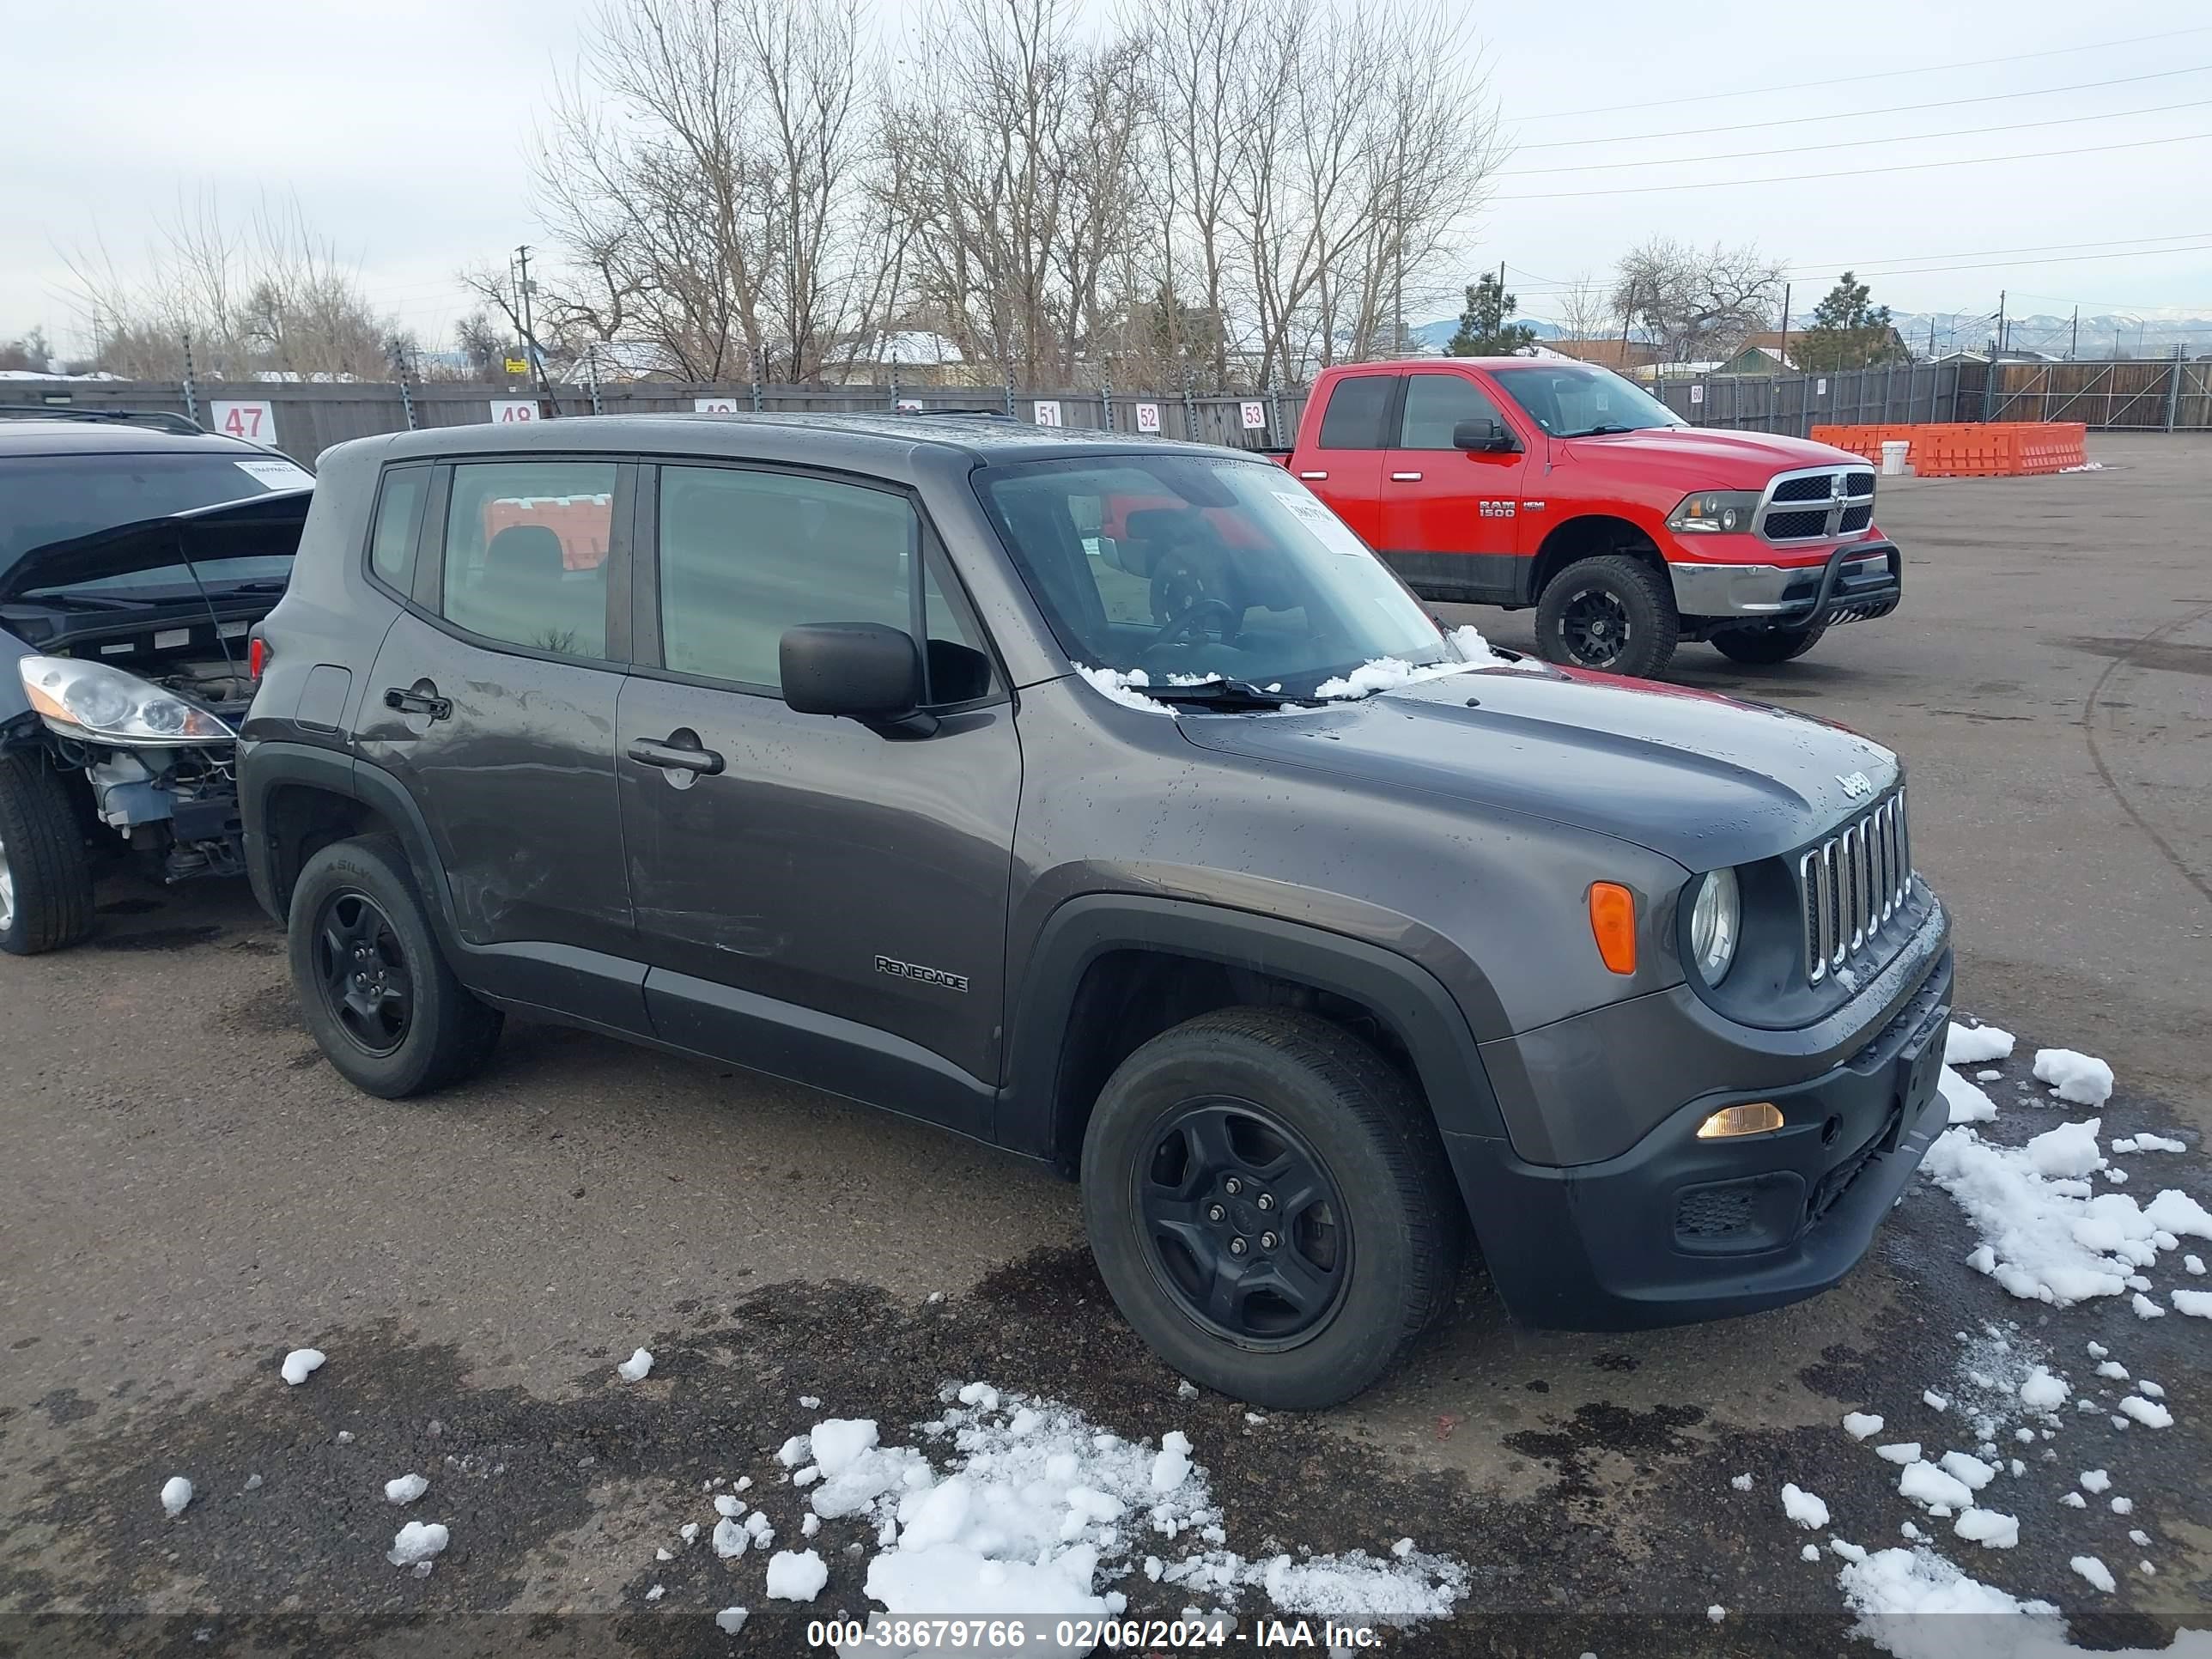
column 1588, row 536
column 296, row 799
column 1109, row 972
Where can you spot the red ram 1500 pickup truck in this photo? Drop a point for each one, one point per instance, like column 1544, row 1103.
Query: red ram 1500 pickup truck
column 1521, row 481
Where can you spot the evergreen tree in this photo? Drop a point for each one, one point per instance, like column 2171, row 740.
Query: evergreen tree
column 1483, row 330
column 1847, row 332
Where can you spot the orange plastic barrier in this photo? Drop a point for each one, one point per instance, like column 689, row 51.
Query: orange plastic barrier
column 1970, row 449
column 582, row 522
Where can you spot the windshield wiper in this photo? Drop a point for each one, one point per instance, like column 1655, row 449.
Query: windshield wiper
column 1607, row 431
column 1218, row 694
column 82, row 601
column 265, row 586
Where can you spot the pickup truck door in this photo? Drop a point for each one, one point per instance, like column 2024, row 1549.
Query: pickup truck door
column 1343, row 465
column 1451, row 517
column 814, row 899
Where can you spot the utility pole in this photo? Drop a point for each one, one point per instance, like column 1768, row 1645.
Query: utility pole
column 2074, row 345
column 523, row 287
column 1782, row 353
column 2000, row 325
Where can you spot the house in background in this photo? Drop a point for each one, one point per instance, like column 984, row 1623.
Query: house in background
column 1622, row 356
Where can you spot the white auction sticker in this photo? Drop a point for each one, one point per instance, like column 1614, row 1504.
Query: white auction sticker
column 1148, row 417
column 256, row 423
column 276, row 475
column 1323, row 525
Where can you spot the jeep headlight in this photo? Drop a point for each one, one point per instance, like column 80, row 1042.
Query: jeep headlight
column 1715, row 922
column 1715, row 510
column 100, row 704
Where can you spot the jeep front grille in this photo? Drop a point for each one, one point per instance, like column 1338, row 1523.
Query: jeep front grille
column 1816, row 506
column 1852, row 884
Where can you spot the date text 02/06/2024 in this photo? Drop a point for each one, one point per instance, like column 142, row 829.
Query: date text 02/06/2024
column 1049, row 1635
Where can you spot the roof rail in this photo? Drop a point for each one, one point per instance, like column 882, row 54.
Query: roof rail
column 159, row 420
column 965, row 414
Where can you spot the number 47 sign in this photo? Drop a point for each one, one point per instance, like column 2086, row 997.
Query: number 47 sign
column 256, row 423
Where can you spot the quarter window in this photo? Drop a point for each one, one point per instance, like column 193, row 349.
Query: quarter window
column 1435, row 403
column 1357, row 409
column 526, row 553
column 391, row 540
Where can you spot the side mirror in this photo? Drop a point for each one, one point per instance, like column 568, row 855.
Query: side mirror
column 862, row 671
column 1486, row 436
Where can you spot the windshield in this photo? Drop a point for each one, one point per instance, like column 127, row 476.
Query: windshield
column 1171, row 566
column 1573, row 400
column 58, row 498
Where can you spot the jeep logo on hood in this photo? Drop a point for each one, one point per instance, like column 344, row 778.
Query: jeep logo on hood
column 1855, row 784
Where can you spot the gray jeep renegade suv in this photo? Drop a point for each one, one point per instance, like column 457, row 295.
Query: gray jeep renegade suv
column 1103, row 799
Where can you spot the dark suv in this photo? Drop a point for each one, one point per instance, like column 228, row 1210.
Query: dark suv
column 1103, row 799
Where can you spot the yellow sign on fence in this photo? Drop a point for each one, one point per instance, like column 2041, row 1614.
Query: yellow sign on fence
column 516, row 366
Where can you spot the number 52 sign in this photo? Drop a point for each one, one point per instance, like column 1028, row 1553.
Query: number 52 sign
column 256, row 423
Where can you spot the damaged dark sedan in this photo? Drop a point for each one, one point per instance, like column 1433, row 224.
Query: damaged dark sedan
column 136, row 554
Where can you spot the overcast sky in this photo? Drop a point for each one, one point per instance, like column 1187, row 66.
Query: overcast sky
column 402, row 127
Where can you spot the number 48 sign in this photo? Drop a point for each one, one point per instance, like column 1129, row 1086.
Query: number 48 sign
column 256, row 423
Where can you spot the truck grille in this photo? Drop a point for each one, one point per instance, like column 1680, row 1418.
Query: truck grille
column 1851, row 885
column 1806, row 506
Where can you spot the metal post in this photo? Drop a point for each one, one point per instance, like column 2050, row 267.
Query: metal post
column 1010, row 390
column 592, row 374
column 1274, row 411
column 2174, row 390
column 1106, row 399
column 406, row 396
column 895, row 383
column 191, row 394
column 756, row 360
column 1190, row 407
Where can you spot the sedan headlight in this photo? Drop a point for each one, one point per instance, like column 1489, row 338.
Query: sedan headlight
column 94, row 701
column 1715, row 510
column 1716, row 923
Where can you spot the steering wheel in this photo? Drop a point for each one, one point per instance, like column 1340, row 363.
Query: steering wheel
column 1189, row 623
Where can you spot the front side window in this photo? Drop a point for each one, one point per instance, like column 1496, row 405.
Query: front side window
column 1359, row 409
column 1195, row 566
column 746, row 555
column 1573, row 400
column 1436, row 405
column 526, row 553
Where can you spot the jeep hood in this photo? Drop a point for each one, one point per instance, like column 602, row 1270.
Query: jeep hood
column 266, row 523
column 1717, row 459
column 1703, row 779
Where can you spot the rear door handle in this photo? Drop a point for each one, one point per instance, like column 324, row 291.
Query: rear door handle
column 1405, row 477
column 409, row 701
column 677, row 756
column 1313, row 475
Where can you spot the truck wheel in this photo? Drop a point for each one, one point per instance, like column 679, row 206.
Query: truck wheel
column 373, row 986
column 46, row 880
column 1267, row 1201
column 1612, row 612
column 1766, row 646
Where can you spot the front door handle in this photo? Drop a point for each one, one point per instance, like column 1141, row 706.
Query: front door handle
column 416, row 700
column 1313, row 475
column 676, row 755
column 1405, row 477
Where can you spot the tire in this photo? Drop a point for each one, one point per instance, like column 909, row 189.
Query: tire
column 46, row 877
column 1625, row 601
column 357, row 924
column 1284, row 1087
column 1765, row 647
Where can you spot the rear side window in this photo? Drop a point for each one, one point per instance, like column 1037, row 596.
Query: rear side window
column 1357, row 409
column 526, row 553
column 745, row 555
column 1435, row 403
column 391, row 538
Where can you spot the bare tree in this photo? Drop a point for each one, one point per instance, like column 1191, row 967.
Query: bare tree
column 1698, row 305
column 1585, row 309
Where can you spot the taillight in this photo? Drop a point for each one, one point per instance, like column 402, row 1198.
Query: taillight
column 257, row 656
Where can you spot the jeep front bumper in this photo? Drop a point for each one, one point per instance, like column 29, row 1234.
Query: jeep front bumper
column 1857, row 581
column 1676, row 1229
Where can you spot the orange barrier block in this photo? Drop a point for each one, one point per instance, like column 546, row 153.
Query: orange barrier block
column 1970, row 449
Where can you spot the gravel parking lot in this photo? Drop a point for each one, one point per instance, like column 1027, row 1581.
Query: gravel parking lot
column 190, row 1191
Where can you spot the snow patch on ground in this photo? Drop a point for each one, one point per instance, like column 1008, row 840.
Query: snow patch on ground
column 1968, row 1104
column 2083, row 1079
column 635, row 1368
column 1802, row 1507
column 176, row 1492
column 405, row 1490
column 416, row 1542
column 301, row 1363
column 1969, row 1045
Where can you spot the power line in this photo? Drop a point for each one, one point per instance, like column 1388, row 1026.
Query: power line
column 1857, row 143
column 2131, row 246
column 1877, row 74
column 1856, row 114
column 1860, row 173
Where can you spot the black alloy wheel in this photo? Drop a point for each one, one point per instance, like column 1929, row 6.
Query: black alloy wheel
column 1596, row 627
column 1242, row 1223
column 361, row 972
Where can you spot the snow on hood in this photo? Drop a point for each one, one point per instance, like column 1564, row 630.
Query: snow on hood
column 1473, row 652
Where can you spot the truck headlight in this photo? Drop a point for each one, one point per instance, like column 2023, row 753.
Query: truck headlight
column 1715, row 510
column 100, row 704
column 1715, row 921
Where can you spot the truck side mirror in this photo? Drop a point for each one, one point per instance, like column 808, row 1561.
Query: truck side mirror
column 1486, row 436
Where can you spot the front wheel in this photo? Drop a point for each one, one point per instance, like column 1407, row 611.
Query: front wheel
column 1267, row 1202
column 46, row 877
column 1765, row 647
column 1613, row 612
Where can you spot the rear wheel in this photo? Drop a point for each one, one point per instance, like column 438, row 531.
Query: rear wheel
column 373, row 986
column 1266, row 1200
column 1765, row 647
column 1612, row 612
column 46, row 877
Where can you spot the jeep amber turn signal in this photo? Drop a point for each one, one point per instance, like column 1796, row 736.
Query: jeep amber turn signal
column 1613, row 924
column 1759, row 1117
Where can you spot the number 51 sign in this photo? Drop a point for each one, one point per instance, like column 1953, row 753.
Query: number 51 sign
column 256, row 423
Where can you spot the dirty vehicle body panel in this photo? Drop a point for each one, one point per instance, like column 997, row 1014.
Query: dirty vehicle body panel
column 132, row 566
column 976, row 914
column 1397, row 450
